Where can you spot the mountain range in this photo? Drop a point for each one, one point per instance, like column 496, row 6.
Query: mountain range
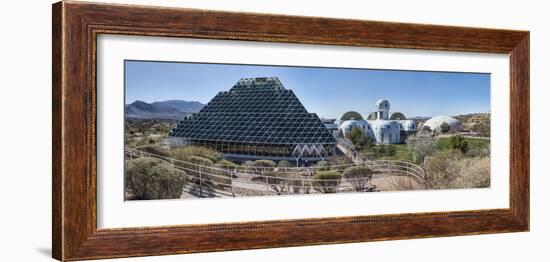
column 170, row 109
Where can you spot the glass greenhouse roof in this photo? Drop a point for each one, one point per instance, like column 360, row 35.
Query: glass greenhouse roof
column 255, row 111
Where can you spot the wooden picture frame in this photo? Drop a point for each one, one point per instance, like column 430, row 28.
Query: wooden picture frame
column 75, row 28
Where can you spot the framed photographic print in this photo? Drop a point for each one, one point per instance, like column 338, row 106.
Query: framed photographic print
column 181, row 130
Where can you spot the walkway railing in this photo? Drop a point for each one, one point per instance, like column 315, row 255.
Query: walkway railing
column 212, row 181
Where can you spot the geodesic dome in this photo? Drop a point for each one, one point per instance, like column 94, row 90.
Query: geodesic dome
column 435, row 123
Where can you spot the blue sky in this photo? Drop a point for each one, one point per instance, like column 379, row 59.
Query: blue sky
column 329, row 92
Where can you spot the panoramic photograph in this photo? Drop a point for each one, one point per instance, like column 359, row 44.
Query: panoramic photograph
column 206, row 130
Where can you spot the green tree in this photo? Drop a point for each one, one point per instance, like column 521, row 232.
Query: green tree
column 326, row 181
column 458, row 143
column 359, row 139
column 364, row 142
column 151, row 178
column 354, row 134
column 359, row 177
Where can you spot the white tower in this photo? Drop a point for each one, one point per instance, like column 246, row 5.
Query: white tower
column 382, row 109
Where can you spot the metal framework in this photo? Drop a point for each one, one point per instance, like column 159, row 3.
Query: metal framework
column 258, row 118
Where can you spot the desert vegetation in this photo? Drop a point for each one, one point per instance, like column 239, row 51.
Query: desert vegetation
column 326, row 181
column 452, row 169
column 151, row 178
column 449, row 161
column 479, row 123
column 360, row 178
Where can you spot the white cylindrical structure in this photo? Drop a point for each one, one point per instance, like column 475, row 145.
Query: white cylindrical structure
column 383, row 109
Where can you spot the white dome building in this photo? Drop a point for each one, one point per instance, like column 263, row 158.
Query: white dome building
column 434, row 124
column 346, row 127
column 379, row 127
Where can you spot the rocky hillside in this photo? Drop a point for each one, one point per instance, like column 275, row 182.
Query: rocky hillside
column 478, row 122
column 172, row 109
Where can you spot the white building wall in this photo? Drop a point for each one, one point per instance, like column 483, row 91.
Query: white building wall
column 385, row 131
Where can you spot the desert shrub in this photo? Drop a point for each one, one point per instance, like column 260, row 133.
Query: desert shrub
column 284, row 166
column 480, row 151
column 227, row 164
column 278, row 182
column 200, row 166
column 156, row 150
column 404, row 183
column 284, row 163
column 449, row 169
column 224, row 172
column 440, row 170
column 339, row 160
column 322, row 165
column 421, row 147
column 200, row 169
column 262, row 165
column 297, row 184
column 458, row 143
column 151, row 178
column 262, row 168
column 199, row 160
column 326, row 181
column 183, row 153
column 359, row 177
column 141, row 141
column 483, row 129
column 474, row 173
column 221, row 180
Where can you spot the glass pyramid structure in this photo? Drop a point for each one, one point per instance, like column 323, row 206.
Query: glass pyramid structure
column 257, row 118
